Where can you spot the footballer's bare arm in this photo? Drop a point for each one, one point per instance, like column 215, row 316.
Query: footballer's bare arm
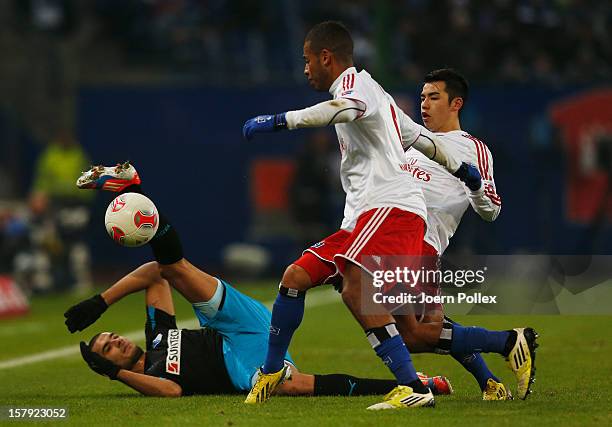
column 146, row 277
column 149, row 385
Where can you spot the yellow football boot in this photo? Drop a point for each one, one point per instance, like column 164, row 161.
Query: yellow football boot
column 496, row 391
column 265, row 385
column 403, row 396
column 522, row 360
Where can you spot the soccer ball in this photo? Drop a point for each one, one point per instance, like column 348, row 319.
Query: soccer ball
column 131, row 219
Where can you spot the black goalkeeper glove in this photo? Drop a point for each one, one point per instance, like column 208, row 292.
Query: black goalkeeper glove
column 83, row 314
column 470, row 176
column 98, row 363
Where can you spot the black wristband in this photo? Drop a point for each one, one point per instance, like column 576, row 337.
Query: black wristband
column 280, row 121
column 99, row 300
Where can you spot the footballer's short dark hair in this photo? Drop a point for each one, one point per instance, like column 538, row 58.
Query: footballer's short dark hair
column 333, row 36
column 456, row 85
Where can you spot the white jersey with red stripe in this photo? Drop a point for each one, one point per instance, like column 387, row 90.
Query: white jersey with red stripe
column 446, row 197
column 373, row 171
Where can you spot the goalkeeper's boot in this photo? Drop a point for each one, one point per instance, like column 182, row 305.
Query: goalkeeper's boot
column 403, row 396
column 438, row 384
column 522, row 360
column 496, row 391
column 109, row 178
column 265, row 385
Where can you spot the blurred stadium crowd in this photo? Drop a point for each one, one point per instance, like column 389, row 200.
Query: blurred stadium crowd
column 53, row 48
column 551, row 41
column 554, row 41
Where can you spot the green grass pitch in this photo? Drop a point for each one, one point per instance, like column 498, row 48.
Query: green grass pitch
column 574, row 368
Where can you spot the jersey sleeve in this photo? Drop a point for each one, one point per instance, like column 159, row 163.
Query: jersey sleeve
column 418, row 137
column 325, row 113
column 485, row 201
column 358, row 89
column 409, row 130
column 157, row 320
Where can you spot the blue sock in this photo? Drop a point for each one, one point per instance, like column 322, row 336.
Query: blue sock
column 467, row 340
column 287, row 315
column 475, row 365
column 393, row 352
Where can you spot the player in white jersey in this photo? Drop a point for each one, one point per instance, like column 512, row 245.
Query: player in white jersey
column 444, row 94
column 448, row 200
column 384, row 212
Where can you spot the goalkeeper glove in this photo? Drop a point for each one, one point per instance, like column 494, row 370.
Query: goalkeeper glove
column 83, row 314
column 98, row 363
column 470, row 176
column 268, row 123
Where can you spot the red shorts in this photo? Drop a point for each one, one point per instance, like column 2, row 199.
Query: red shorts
column 379, row 232
column 430, row 260
column 382, row 232
column 422, row 288
column 318, row 260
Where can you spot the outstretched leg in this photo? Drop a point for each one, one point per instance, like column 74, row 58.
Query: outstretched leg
column 194, row 284
column 380, row 330
column 379, row 237
column 287, row 313
column 465, row 344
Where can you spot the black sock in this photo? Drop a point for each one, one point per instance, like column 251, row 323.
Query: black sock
column 347, row 385
column 418, row 387
column 166, row 244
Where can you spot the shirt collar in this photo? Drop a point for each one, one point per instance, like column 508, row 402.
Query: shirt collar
column 332, row 88
column 450, row 131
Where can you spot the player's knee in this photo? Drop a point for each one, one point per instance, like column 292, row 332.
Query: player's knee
column 414, row 344
column 433, row 316
column 406, row 329
column 418, row 336
column 350, row 294
column 351, row 286
column 295, row 277
column 172, row 271
column 149, row 271
column 407, row 323
column 165, row 272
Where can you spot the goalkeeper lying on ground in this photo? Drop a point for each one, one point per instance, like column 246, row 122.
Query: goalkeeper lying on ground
column 222, row 356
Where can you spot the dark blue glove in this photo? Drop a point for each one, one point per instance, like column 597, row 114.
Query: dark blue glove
column 470, row 175
column 268, row 123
